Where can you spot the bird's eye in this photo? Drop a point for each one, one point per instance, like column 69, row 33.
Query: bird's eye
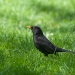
column 31, row 27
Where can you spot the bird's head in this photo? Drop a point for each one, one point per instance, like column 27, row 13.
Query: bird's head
column 36, row 30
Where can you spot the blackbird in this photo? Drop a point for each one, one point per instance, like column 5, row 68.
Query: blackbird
column 43, row 44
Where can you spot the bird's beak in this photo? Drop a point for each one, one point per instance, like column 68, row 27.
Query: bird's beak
column 29, row 27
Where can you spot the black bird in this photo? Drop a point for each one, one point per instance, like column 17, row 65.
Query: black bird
column 43, row 44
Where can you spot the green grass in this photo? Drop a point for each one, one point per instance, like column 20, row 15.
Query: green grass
column 18, row 55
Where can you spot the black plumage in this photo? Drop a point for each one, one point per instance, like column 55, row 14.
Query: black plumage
column 43, row 44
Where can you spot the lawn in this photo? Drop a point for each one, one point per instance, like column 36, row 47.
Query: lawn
column 18, row 55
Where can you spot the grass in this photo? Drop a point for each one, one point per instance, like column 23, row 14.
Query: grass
column 18, row 55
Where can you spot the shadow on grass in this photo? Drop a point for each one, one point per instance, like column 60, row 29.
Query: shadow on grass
column 58, row 13
column 19, row 70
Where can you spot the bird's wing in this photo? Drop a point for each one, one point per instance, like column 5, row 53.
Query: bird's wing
column 48, row 46
column 45, row 43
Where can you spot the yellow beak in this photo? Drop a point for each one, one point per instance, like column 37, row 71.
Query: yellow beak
column 28, row 26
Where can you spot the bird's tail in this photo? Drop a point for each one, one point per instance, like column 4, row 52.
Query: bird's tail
column 63, row 50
